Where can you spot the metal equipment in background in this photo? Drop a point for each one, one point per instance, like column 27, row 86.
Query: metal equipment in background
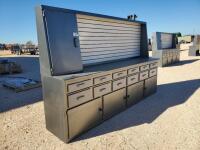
column 92, row 67
column 9, row 67
column 164, row 48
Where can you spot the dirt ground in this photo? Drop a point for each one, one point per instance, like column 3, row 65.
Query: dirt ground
column 167, row 120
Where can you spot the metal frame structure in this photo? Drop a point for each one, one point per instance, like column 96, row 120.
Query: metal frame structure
column 76, row 96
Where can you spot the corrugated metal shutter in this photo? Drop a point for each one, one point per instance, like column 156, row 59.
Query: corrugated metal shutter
column 103, row 39
column 166, row 40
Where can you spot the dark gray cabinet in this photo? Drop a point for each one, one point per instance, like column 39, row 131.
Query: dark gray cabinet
column 84, row 117
column 150, row 86
column 135, row 93
column 164, row 48
column 89, row 63
column 113, row 103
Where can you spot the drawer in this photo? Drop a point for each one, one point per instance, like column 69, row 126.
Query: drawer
column 133, row 70
column 144, row 75
column 79, row 85
column 152, row 72
column 102, row 90
column 80, row 97
column 153, row 65
column 118, row 84
column 133, row 79
column 143, row 68
column 165, row 54
column 102, row 79
column 119, row 74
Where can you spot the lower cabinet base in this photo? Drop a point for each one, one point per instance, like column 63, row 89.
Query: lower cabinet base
column 167, row 56
column 167, row 62
column 69, row 114
column 90, row 114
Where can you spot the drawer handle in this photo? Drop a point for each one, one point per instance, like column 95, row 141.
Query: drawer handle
column 102, row 89
column 119, row 73
column 144, row 75
column 152, row 71
column 79, row 84
column 132, row 79
column 133, row 69
column 79, row 97
column 119, row 83
column 102, row 78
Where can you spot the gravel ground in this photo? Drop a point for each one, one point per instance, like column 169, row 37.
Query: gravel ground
column 167, row 120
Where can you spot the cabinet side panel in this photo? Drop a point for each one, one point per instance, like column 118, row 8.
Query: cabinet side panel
column 54, row 105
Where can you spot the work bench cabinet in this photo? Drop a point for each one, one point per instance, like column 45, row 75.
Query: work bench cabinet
column 164, row 48
column 194, row 49
column 92, row 67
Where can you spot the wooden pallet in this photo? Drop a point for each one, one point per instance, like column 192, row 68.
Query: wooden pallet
column 22, row 88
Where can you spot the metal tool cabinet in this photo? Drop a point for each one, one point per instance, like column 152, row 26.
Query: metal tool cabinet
column 92, row 67
column 194, row 50
column 164, row 48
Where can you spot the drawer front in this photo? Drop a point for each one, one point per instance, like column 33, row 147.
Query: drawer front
column 145, row 67
column 144, row 75
column 153, row 65
column 133, row 70
column 102, row 90
column 118, row 84
column 119, row 74
column 80, row 97
column 152, row 72
column 102, row 79
column 133, row 79
column 79, row 85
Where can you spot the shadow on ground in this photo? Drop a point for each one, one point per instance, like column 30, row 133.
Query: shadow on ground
column 184, row 62
column 168, row 95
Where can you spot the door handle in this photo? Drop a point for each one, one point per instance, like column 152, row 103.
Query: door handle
column 79, row 97
column 76, row 43
column 100, row 109
column 102, row 89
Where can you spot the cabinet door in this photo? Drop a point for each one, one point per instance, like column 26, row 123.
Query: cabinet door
column 114, row 103
column 84, row 117
column 135, row 93
column 150, row 86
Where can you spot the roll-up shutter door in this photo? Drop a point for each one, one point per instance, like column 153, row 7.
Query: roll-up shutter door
column 103, row 39
column 166, row 40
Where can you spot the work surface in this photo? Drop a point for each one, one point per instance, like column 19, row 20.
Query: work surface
column 166, row 120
